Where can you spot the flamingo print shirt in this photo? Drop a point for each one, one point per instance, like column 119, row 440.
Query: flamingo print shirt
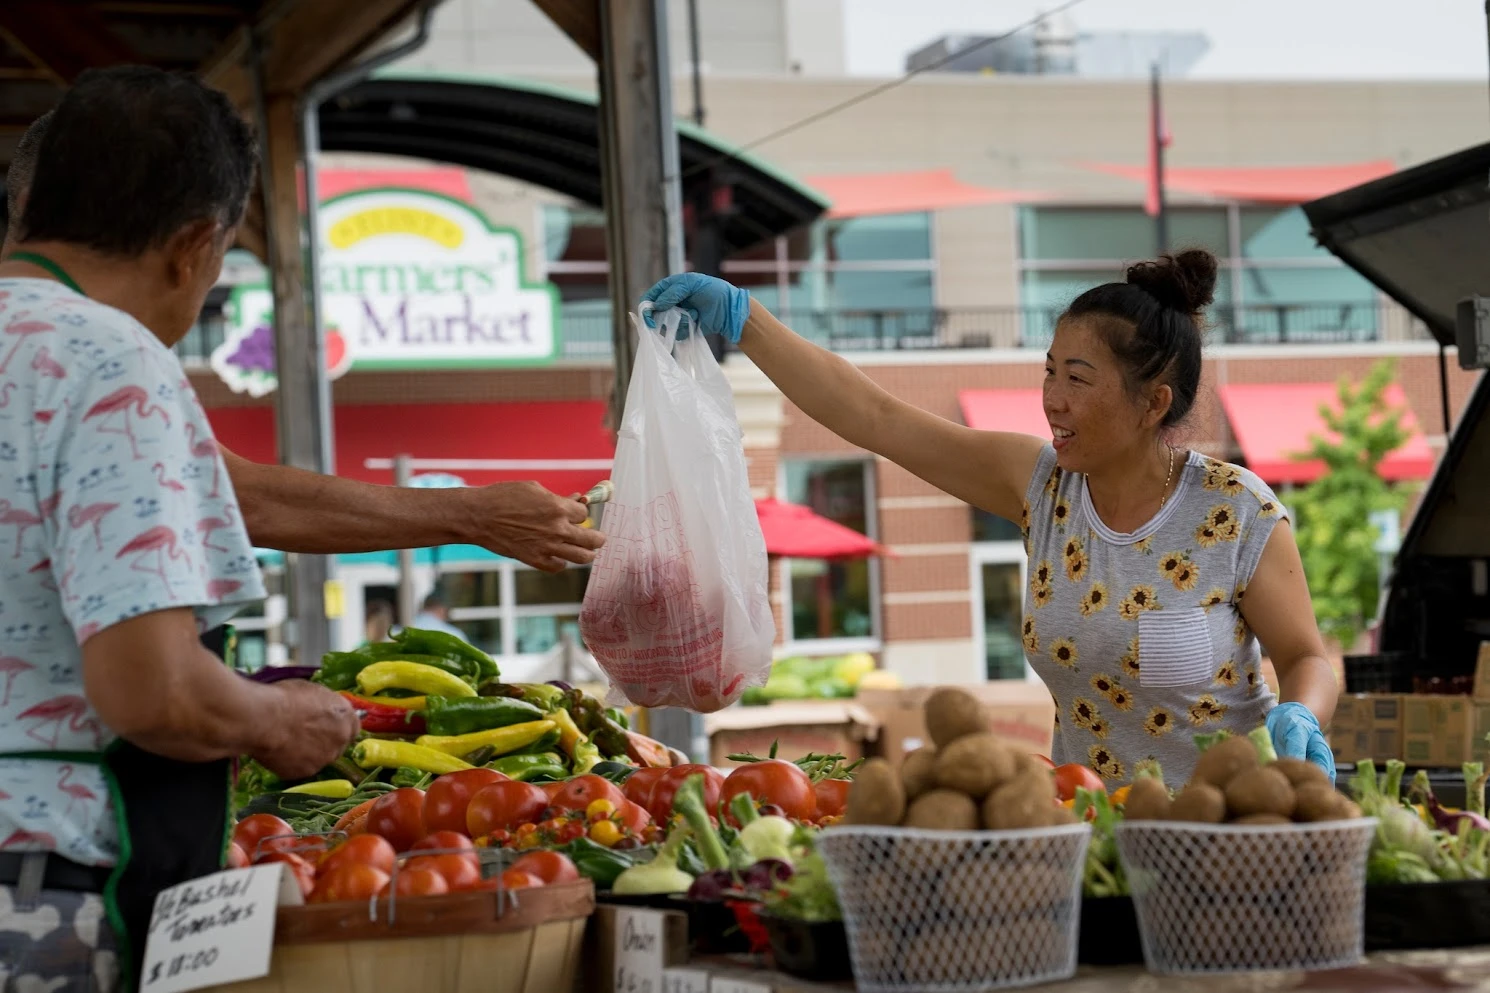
column 114, row 502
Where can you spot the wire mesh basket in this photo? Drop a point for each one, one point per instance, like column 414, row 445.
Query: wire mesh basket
column 958, row 911
column 1235, row 898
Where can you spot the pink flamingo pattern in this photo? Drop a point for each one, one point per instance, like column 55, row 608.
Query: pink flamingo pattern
column 101, row 532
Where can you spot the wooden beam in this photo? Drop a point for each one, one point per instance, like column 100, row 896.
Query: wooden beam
column 62, row 39
column 579, row 19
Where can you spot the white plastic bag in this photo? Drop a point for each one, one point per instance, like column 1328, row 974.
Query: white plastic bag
column 676, row 611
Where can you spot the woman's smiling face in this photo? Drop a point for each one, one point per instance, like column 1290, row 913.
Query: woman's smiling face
column 1093, row 416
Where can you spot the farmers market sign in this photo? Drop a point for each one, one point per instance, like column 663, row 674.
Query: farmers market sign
column 409, row 280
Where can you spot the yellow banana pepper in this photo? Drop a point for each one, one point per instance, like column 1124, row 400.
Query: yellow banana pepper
column 401, row 702
column 334, row 789
column 503, row 740
column 372, row 753
column 413, row 676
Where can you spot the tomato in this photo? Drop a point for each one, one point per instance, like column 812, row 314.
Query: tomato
column 460, row 872
column 254, row 829
column 570, row 832
column 311, row 848
column 581, row 791
column 507, row 805
column 633, row 817
column 832, row 796
column 444, row 841
column 398, row 817
column 1072, row 775
column 551, row 790
column 236, row 858
column 515, row 880
column 419, row 882
column 638, row 786
column 551, row 867
column 777, row 782
column 367, row 849
column 661, row 806
column 448, row 797
column 351, row 881
column 305, row 873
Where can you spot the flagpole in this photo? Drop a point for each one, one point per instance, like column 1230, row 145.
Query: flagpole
column 1156, row 136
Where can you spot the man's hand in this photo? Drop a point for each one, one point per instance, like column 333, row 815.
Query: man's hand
column 317, row 726
column 526, row 522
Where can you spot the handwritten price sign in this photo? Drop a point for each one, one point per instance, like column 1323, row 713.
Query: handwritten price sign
column 641, row 954
column 214, row 930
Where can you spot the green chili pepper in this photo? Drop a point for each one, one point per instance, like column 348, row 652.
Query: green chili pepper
column 619, row 717
column 601, row 864
column 597, row 724
column 441, row 643
column 616, row 772
column 527, row 767
column 465, row 715
column 541, row 695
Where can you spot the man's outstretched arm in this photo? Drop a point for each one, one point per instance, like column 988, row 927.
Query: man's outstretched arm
column 297, row 511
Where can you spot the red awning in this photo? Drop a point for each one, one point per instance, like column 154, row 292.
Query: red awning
column 866, row 194
column 794, row 531
column 1272, row 421
column 1019, row 411
column 1259, row 184
column 450, row 182
column 561, row 444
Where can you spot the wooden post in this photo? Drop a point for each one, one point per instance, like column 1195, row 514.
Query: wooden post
column 639, row 165
column 302, row 399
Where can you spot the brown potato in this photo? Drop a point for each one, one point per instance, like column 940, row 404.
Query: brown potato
column 918, row 771
column 1058, row 815
column 1148, row 800
column 943, row 810
column 952, row 713
column 1220, row 763
column 1023, row 802
column 1260, row 791
column 974, row 764
column 1199, row 803
column 1301, row 772
column 1317, row 802
column 876, row 796
column 1258, row 819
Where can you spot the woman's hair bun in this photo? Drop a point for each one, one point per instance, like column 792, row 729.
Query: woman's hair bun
column 1185, row 281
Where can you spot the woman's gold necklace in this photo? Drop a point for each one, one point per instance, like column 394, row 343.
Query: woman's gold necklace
column 1167, row 477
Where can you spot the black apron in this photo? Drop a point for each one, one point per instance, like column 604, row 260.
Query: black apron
column 172, row 817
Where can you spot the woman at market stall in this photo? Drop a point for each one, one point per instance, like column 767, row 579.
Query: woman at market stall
column 1154, row 571
column 120, row 726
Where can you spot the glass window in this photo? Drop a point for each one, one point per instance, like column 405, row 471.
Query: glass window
column 1048, row 292
column 887, row 236
column 1116, row 233
column 832, row 599
column 992, row 527
column 536, row 588
column 482, row 588
column 1278, row 234
column 536, row 635
column 1303, row 304
column 1003, row 603
column 484, row 632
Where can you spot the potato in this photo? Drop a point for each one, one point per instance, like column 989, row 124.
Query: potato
column 918, row 771
column 943, row 810
column 1059, row 816
column 974, row 764
column 952, row 713
column 1317, row 802
column 1260, row 791
column 1199, row 803
column 1301, row 772
column 1221, row 762
column 1258, row 819
column 876, row 796
column 1148, row 800
column 1023, row 802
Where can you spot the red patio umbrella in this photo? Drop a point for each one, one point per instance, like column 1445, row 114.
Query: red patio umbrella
column 794, row 531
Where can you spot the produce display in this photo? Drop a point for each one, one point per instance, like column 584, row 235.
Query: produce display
column 835, row 678
column 1417, row 839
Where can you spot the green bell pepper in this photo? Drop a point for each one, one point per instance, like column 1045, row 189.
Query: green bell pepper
column 448, row 645
column 523, row 768
column 465, row 715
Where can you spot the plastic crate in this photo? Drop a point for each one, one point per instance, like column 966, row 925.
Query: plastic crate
column 1387, row 672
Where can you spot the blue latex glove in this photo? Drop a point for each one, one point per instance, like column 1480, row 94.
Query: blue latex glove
column 713, row 306
column 1296, row 734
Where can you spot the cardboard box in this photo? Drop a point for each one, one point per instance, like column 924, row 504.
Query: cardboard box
column 1022, row 713
column 1349, row 730
column 1479, row 735
column 1436, row 730
column 1481, row 691
column 1367, row 726
column 797, row 727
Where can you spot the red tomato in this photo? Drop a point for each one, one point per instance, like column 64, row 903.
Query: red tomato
column 638, row 786
column 551, row 790
column 448, row 797
column 633, row 817
column 661, row 806
column 504, row 805
column 514, row 880
column 254, row 829
column 352, row 881
column 398, row 817
column 305, row 873
column 572, row 831
column 773, row 781
column 311, row 848
column 367, row 849
column 581, row 791
column 419, row 882
column 551, row 867
column 236, row 857
column 1071, row 775
column 460, row 872
column 832, row 796
column 444, row 840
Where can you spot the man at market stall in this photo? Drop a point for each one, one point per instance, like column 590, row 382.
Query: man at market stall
column 1154, row 571
column 297, row 511
column 120, row 727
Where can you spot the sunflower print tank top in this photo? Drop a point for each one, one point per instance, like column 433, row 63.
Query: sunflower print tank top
column 1138, row 635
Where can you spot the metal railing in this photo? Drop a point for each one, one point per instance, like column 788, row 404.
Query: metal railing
column 587, row 335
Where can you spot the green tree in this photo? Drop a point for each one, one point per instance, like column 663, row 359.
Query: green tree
column 1332, row 515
